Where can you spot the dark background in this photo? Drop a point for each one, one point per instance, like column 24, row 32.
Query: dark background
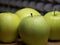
column 43, row 6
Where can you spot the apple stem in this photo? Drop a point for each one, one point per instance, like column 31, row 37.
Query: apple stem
column 31, row 15
column 54, row 12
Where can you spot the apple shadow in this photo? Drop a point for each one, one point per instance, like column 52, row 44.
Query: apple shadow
column 53, row 40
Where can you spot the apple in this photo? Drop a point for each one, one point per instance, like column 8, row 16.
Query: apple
column 53, row 19
column 34, row 30
column 26, row 12
column 8, row 26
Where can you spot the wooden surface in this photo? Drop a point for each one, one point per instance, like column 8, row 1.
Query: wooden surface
column 49, row 43
column 53, row 43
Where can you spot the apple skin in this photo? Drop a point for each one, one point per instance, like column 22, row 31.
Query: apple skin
column 8, row 27
column 34, row 30
column 22, row 13
column 54, row 23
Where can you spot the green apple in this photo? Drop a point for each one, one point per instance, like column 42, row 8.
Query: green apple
column 8, row 27
column 53, row 19
column 26, row 12
column 34, row 30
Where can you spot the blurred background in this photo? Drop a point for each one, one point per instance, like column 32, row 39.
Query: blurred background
column 43, row 6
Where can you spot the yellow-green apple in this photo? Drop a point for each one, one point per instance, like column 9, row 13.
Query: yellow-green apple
column 53, row 19
column 8, row 26
column 34, row 30
column 26, row 12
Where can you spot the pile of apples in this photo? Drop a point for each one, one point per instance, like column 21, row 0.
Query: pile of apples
column 33, row 28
